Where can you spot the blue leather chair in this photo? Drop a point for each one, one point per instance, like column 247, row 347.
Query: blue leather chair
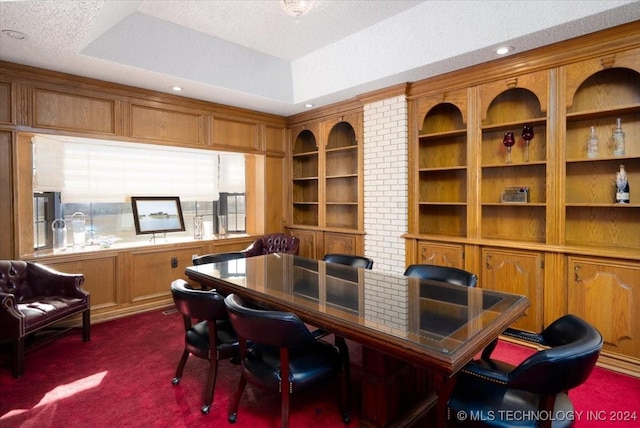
column 211, row 338
column 447, row 274
column 493, row 391
column 280, row 354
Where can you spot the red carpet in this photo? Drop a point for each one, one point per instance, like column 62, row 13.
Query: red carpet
column 122, row 378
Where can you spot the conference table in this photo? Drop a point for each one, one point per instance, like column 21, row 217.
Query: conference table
column 415, row 334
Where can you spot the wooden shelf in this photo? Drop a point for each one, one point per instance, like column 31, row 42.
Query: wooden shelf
column 443, row 134
column 603, row 113
column 509, row 126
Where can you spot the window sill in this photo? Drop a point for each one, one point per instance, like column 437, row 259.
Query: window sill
column 142, row 243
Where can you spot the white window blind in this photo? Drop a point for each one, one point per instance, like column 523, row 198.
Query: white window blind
column 232, row 168
column 86, row 170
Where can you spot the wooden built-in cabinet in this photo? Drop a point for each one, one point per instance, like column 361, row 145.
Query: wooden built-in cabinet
column 598, row 91
column 570, row 248
column 442, row 165
column 124, row 280
column 327, row 185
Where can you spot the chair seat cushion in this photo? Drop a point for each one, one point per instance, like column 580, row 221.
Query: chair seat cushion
column 197, row 340
column 316, row 362
column 41, row 311
column 478, row 403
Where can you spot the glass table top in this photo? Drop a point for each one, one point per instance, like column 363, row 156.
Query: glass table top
column 430, row 315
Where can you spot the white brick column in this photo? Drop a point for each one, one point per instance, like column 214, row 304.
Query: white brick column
column 386, row 182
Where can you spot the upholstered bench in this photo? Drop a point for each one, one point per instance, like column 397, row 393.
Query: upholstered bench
column 33, row 297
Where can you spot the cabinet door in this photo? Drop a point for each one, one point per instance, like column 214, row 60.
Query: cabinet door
column 99, row 279
column 74, row 112
column 164, row 122
column 153, row 271
column 307, row 239
column 235, row 134
column 435, row 253
column 606, row 294
column 339, row 243
column 517, row 272
column 6, row 103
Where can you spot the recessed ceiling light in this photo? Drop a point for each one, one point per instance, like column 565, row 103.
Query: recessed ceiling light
column 15, row 34
column 176, row 88
column 308, row 105
column 503, row 50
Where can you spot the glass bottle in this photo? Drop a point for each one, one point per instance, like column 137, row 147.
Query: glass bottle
column 618, row 139
column 622, row 186
column 593, row 145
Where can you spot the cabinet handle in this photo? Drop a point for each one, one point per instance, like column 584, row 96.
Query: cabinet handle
column 576, row 273
column 488, row 262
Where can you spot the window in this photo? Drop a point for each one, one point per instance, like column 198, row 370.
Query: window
column 97, row 178
column 233, row 206
column 46, row 208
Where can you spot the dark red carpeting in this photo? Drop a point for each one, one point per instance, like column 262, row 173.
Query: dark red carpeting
column 122, row 378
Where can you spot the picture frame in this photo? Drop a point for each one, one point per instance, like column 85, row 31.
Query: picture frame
column 157, row 214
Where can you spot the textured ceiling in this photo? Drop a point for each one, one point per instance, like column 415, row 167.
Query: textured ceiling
column 251, row 54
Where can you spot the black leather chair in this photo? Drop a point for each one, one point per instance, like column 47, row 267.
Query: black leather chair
column 442, row 273
column 211, row 338
column 490, row 392
column 217, row 257
column 349, row 260
column 276, row 346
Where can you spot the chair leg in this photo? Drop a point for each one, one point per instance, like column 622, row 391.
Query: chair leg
column 181, row 364
column 86, row 326
column 285, row 396
column 233, row 413
column 345, row 379
column 18, row 358
column 211, row 384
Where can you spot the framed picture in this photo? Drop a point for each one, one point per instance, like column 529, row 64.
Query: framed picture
column 157, row 214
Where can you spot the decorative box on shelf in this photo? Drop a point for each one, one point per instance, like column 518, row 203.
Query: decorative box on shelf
column 515, row 195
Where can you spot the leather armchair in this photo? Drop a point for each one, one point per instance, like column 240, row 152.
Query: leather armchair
column 34, row 297
column 280, row 354
column 211, row 338
column 273, row 243
column 447, row 274
column 491, row 390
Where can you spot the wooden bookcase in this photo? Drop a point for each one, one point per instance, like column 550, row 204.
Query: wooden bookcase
column 571, row 248
column 327, row 184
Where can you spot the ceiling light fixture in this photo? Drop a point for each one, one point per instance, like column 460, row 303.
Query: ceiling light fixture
column 15, row 34
column 503, row 50
column 296, row 7
column 176, row 88
column 308, row 105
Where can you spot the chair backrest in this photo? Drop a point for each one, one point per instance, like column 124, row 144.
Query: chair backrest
column 272, row 328
column 447, row 274
column 217, row 257
column 349, row 260
column 273, row 243
column 200, row 304
column 574, row 349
